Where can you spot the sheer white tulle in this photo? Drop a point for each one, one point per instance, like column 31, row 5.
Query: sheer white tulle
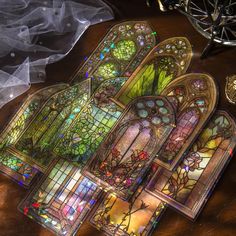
column 34, row 33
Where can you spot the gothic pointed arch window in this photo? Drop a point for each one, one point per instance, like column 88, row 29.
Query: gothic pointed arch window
column 13, row 165
column 127, row 152
column 168, row 60
column 195, row 97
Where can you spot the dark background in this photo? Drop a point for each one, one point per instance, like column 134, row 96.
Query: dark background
column 218, row 217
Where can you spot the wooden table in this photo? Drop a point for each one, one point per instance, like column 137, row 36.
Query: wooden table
column 218, row 217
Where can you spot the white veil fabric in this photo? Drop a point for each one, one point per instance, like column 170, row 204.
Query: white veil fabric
column 34, row 33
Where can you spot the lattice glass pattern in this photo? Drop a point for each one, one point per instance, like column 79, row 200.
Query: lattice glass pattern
column 62, row 200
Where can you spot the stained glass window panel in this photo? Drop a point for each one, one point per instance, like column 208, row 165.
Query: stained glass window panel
column 188, row 187
column 119, row 53
column 17, row 169
column 168, row 60
column 62, row 200
column 195, row 97
column 139, row 217
column 122, row 159
column 55, row 116
column 92, row 124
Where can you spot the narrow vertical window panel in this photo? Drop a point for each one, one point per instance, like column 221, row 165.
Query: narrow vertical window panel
column 187, row 188
column 122, row 159
column 195, row 97
column 11, row 164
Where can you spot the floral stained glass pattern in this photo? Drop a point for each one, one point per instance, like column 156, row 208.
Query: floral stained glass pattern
column 56, row 115
column 195, row 97
column 127, row 152
column 119, row 53
column 62, row 200
column 168, row 60
column 91, row 126
column 188, row 187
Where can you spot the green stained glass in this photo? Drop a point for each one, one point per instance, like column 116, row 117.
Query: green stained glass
column 26, row 113
column 92, row 124
column 17, row 169
column 54, row 118
column 124, row 50
column 108, row 70
column 159, row 68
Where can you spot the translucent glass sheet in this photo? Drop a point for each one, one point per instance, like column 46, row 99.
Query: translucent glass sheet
column 188, row 187
column 62, row 200
column 139, row 216
column 35, row 33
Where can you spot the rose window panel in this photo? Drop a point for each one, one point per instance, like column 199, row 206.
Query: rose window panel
column 11, row 164
column 124, row 156
column 119, row 53
column 168, row 60
column 194, row 96
column 188, row 187
column 62, row 200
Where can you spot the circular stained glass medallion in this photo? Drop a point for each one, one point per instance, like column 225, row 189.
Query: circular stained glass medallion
column 124, row 50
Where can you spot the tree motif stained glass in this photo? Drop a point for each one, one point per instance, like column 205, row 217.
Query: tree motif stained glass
column 168, row 60
column 62, row 200
column 138, row 217
column 187, row 188
column 122, row 159
column 195, row 97
column 119, row 53
column 55, row 116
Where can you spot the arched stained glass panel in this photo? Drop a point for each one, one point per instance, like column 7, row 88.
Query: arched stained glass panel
column 195, row 97
column 12, row 164
column 168, row 60
column 127, row 152
column 92, row 124
column 119, row 53
column 55, row 116
column 211, row 151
